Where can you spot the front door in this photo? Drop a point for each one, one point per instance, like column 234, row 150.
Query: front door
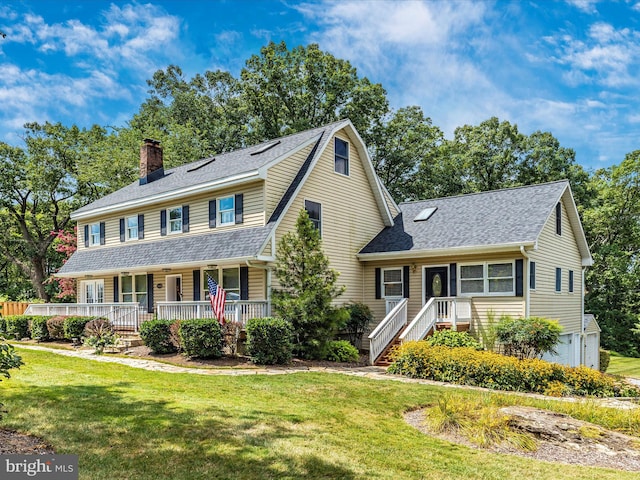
column 174, row 288
column 437, row 283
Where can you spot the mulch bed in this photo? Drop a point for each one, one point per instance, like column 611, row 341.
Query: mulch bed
column 15, row 443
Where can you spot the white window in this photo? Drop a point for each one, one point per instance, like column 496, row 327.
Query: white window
column 487, row 279
column 132, row 228
column 175, row 220
column 392, row 282
column 230, row 281
column 94, row 234
column 341, row 156
column 227, row 210
column 133, row 289
column 92, row 291
column 314, row 209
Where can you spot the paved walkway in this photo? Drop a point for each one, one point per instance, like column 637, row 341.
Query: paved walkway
column 371, row 372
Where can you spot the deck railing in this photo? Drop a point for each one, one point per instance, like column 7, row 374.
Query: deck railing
column 121, row 315
column 234, row 310
column 422, row 323
column 387, row 329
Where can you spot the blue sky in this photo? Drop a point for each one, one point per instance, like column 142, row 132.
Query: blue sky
column 569, row 67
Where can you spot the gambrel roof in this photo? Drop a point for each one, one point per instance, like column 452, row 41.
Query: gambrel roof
column 506, row 219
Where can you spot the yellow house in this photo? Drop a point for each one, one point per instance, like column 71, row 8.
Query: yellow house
column 148, row 248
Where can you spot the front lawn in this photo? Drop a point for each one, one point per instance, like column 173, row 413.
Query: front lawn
column 626, row 366
column 128, row 423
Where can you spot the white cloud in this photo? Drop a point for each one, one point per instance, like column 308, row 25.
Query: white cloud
column 587, row 6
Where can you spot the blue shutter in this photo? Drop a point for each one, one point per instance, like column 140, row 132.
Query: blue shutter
column 244, row 283
column 163, row 222
column 196, row 285
column 559, row 218
column 378, row 283
column 405, row 281
column 122, row 230
column 149, row 292
column 102, row 233
column 212, row 213
column 239, row 200
column 519, row 278
column 185, row 218
column 532, row 275
column 116, row 289
column 558, row 279
column 140, row 227
column 86, row 235
column 453, row 279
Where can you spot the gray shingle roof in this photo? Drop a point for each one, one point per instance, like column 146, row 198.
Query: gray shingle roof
column 224, row 166
column 207, row 248
column 500, row 217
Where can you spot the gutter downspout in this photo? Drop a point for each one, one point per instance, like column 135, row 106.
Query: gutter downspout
column 268, row 269
column 526, row 282
column 583, row 333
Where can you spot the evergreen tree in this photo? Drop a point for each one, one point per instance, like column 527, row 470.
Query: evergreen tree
column 308, row 287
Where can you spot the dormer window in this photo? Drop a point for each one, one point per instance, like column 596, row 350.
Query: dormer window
column 226, row 210
column 341, row 156
column 175, row 220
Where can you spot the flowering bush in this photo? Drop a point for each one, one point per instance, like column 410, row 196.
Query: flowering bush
column 453, row 339
column 467, row 366
column 528, row 337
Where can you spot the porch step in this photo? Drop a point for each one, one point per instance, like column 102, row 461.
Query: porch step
column 384, row 359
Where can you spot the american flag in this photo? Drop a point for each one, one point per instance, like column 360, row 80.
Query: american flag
column 217, row 296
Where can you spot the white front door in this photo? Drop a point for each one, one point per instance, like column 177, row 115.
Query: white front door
column 174, row 288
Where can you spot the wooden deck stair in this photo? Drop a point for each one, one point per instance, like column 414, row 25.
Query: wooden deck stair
column 384, row 359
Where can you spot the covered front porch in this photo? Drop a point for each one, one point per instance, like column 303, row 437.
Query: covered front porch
column 129, row 316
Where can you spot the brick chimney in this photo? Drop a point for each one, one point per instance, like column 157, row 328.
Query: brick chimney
column 151, row 166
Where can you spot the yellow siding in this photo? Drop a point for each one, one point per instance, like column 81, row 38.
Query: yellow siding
column 558, row 251
column 344, row 232
column 253, row 215
column 257, row 284
column 280, row 176
column 390, row 204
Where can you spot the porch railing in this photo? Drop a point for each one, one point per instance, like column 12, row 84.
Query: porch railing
column 234, row 310
column 422, row 323
column 387, row 329
column 121, row 315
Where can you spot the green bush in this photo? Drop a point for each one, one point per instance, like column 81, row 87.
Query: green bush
column 528, row 337
column 156, row 334
column 38, row 327
column 201, row 337
column 99, row 334
column 342, row 351
column 17, row 326
column 269, row 340
column 360, row 317
column 3, row 327
column 467, row 366
column 453, row 339
column 55, row 327
column 73, row 326
column 605, row 358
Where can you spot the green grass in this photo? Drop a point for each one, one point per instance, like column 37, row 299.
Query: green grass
column 128, row 423
column 627, row 366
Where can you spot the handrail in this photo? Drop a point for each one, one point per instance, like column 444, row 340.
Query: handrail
column 422, row 323
column 123, row 314
column 234, row 310
column 387, row 329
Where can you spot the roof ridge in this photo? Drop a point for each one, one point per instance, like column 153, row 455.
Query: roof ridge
column 519, row 187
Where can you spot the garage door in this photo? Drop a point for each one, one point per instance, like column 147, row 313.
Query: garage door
column 566, row 351
column 592, row 350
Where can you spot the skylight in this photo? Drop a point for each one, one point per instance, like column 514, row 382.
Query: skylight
column 266, row 147
column 425, row 214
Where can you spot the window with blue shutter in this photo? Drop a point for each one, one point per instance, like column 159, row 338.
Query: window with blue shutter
column 558, row 279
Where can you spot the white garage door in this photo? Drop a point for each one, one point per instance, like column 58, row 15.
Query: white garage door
column 568, row 351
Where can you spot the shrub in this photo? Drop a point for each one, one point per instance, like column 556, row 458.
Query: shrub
column 156, row 334
column 342, row 351
column 55, row 326
column 17, row 326
column 38, row 327
column 74, row 326
column 467, row 366
column 453, row 339
column 201, row 337
column 2, row 326
column 360, row 317
column 528, row 337
column 269, row 340
column 605, row 358
column 99, row 334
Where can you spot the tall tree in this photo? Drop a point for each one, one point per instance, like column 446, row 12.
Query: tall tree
column 38, row 189
column 612, row 225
